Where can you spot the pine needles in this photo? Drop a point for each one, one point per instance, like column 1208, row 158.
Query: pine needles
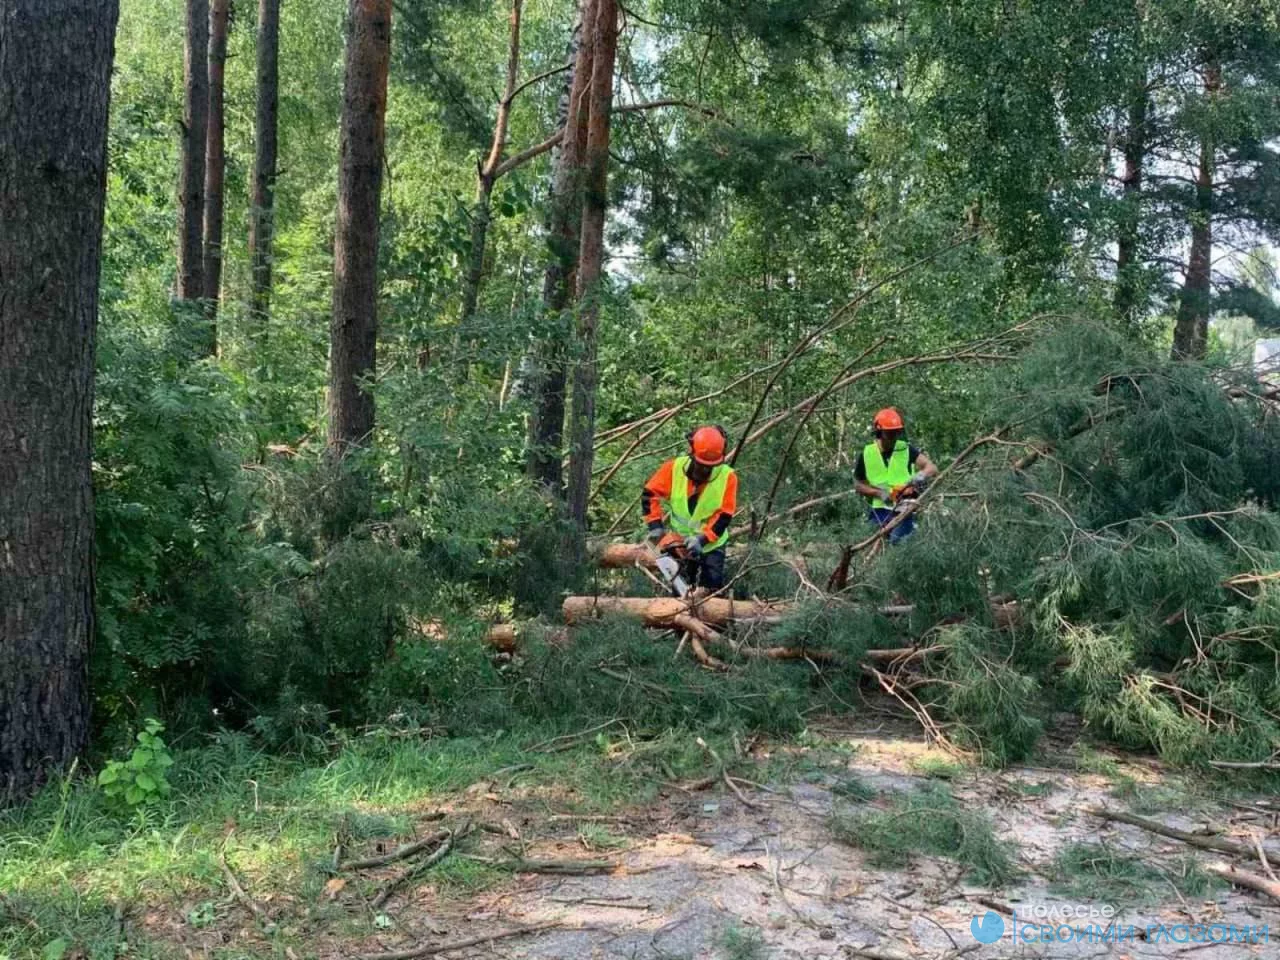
column 1138, row 541
column 928, row 821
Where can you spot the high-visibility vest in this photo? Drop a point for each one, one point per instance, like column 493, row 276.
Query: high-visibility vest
column 895, row 473
column 709, row 501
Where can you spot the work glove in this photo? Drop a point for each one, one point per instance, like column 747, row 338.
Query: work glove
column 693, row 545
column 656, row 532
column 920, row 480
column 886, row 495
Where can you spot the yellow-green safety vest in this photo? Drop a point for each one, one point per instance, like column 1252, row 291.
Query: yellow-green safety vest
column 892, row 474
column 709, row 501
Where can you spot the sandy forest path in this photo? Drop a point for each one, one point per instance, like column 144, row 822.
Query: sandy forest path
column 701, row 874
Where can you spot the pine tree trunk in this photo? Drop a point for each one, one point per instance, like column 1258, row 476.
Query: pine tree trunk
column 482, row 216
column 55, row 82
column 215, row 167
column 1127, row 247
column 195, row 132
column 595, row 203
column 262, row 214
column 354, row 327
column 1191, row 329
column 546, row 425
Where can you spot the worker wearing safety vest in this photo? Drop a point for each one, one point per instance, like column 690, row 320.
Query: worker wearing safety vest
column 700, row 492
column 888, row 470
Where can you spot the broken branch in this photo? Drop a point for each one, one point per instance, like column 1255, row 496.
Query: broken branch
column 415, row 871
column 457, row 944
column 400, row 853
column 1242, row 878
column 1219, row 844
column 237, row 891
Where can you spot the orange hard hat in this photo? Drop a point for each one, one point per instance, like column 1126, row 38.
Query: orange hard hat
column 707, row 445
column 887, row 419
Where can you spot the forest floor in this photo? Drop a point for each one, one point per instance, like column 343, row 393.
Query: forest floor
column 828, row 857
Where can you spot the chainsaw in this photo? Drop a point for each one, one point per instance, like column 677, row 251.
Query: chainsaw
column 905, row 497
column 670, row 567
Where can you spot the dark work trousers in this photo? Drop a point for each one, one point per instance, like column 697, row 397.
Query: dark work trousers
column 882, row 516
column 709, row 571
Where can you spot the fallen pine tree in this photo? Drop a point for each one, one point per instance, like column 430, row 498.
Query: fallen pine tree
column 1125, row 501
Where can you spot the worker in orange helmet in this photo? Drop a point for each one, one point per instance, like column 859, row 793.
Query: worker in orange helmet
column 890, row 470
column 700, row 492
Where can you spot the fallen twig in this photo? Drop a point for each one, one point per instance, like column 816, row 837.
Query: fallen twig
column 237, row 891
column 628, row 678
column 599, row 902
column 1235, row 765
column 565, row 867
column 1219, row 844
column 1242, row 878
column 400, row 853
column 456, row 945
column 1262, row 857
column 415, row 871
column 724, row 775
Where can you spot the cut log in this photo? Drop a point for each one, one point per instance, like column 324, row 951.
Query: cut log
column 1242, row 878
column 662, row 611
column 502, row 637
column 617, row 556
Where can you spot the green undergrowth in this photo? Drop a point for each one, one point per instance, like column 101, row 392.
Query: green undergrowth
column 1095, row 871
column 1110, row 558
column 71, row 858
column 929, row 821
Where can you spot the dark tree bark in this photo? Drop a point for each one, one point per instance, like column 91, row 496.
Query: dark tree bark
column 353, row 332
column 1191, row 328
column 262, row 214
column 595, row 203
column 195, row 132
column 215, row 167
column 546, row 425
column 1128, row 256
column 487, row 175
column 55, row 70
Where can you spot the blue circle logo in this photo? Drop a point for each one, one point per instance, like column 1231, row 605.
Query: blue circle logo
column 987, row 929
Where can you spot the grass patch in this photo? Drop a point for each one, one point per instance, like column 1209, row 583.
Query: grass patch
column 855, row 788
column 70, row 857
column 1094, row 871
column 1089, row 760
column 928, row 821
column 937, row 766
column 594, row 837
column 1042, row 789
column 743, row 944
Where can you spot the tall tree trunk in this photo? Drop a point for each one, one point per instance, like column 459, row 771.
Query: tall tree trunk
column 262, row 214
column 353, row 332
column 215, row 167
column 55, row 82
column 1191, row 329
column 595, row 202
column 546, row 425
column 1128, row 262
column 487, row 175
column 195, row 132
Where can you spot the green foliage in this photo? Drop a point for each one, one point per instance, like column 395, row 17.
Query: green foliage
column 928, row 821
column 144, row 777
column 1095, row 871
column 743, row 944
column 616, row 669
